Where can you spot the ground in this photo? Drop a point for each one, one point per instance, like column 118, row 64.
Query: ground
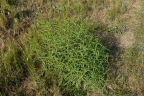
column 119, row 24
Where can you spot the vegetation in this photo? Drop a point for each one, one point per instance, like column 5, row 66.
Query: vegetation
column 71, row 48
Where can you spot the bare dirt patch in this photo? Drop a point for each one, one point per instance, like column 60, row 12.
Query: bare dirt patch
column 127, row 39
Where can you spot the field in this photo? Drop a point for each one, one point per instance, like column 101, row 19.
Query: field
column 71, row 48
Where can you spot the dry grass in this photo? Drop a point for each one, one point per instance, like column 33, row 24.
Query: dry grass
column 128, row 75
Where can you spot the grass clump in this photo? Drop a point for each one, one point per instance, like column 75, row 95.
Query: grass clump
column 69, row 51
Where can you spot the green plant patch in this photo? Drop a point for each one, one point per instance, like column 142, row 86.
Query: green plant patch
column 72, row 53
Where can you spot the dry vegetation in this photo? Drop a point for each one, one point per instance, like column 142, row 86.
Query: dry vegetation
column 119, row 24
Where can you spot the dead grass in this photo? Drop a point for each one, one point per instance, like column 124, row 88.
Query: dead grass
column 129, row 69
